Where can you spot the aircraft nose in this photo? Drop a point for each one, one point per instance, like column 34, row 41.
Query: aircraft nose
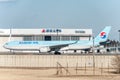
column 5, row 45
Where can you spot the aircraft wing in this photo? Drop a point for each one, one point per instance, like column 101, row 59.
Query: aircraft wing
column 59, row 46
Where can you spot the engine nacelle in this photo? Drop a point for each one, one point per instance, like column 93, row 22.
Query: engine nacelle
column 44, row 49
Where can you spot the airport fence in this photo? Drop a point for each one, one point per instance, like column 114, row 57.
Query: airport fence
column 51, row 60
column 64, row 64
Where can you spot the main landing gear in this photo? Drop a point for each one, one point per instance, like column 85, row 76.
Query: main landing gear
column 57, row 53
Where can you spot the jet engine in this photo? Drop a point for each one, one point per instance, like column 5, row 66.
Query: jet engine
column 44, row 49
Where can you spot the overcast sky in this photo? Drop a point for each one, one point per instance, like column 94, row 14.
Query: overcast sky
column 93, row 14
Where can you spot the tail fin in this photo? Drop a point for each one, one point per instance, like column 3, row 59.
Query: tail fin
column 103, row 35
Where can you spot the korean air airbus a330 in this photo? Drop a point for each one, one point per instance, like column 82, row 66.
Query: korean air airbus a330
column 57, row 46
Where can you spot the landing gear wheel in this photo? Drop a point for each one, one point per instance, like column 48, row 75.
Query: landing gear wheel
column 57, row 53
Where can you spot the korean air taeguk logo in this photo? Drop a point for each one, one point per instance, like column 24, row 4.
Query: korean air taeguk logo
column 103, row 35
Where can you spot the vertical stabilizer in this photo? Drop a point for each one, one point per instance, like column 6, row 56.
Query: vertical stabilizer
column 103, row 35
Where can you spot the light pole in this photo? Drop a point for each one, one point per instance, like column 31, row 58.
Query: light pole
column 93, row 53
column 119, row 38
column 10, row 34
column 119, row 35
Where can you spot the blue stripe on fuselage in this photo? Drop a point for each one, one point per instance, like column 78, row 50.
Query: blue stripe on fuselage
column 41, row 43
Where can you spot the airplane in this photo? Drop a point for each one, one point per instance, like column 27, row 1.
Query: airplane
column 57, row 46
